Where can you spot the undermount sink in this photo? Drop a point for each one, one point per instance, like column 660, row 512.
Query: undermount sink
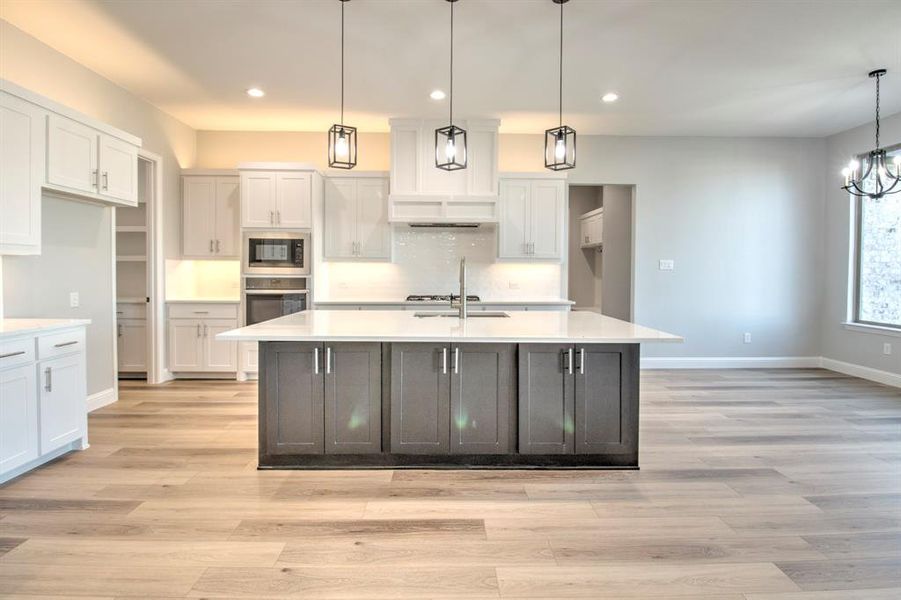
column 474, row 314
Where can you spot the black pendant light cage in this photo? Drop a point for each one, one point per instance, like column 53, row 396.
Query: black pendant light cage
column 560, row 142
column 342, row 139
column 450, row 141
column 873, row 176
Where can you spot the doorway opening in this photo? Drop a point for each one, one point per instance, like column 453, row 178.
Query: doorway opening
column 600, row 248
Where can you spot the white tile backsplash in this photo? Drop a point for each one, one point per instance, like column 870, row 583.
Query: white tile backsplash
column 427, row 261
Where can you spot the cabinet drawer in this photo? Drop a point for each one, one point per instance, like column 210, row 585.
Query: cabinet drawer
column 16, row 352
column 203, row 311
column 131, row 310
column 58, row 344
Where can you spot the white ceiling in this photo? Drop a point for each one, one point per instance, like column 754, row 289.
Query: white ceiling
column 715, row 67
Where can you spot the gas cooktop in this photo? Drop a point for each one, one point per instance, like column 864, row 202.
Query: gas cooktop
column 440, row 298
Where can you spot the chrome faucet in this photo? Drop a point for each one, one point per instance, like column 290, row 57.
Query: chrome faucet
column 461, row 305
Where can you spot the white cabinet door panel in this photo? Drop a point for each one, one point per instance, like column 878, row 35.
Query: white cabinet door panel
column 293, row 200
column 250, row 359
column 546, row 219
column 132, row 345
column 62, row 400
column 258, row 199
column 219, row 355
column 514, row 221
column 18, row 417
column 373, row 230
column 228, row 209
column 71, row 154
column 185, row 345
column 340, row 218
column 118, row 169
column 22, row 156
column 198, row 225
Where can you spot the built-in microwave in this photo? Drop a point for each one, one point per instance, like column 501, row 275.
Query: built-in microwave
column 277, row 253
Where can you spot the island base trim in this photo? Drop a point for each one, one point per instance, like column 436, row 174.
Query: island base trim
column 455, row 461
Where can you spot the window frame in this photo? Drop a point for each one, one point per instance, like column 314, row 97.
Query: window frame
column 857, row 256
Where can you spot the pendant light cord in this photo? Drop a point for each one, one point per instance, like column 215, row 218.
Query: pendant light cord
column 877, row 111
column 342, row 63
column 451, row 103
column 561, row 66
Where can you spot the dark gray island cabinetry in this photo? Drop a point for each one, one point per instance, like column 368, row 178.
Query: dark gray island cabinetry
column 436, row 404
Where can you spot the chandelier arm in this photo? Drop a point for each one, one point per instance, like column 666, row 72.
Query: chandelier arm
column 891, row 189
column 856, row 189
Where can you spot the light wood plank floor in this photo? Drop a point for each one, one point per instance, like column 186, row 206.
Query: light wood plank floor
column 755, row 485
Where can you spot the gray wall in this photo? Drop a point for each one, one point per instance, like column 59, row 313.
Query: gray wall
column 76, row 257
column 837, row 342
column 616, row 259
column 584, row 269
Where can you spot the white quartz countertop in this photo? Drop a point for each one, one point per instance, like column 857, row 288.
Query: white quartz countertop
column 403, row 326
column 11, row 327
column 439, row 305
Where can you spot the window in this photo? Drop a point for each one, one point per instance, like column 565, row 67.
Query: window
column 877, row 282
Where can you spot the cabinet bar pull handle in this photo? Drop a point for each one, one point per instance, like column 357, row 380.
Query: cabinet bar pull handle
column 48, row 374
column 271, row 218
column 94, row 178
column 569, row 360
column 444, row 361
column 328, row 360
column 316, row 361
column 198, row 330
column 106, row 180
column 278, row 217
column 582, row 361
column 204, row 330
column 8, row 354
column 119, row 329
column 211, row 245
column 201, row 312
column 64, row 344
column 217, row 246
column 456, row 360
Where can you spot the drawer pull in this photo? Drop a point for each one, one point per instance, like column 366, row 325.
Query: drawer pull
column 201, row 312
column 64, row 344
column 8, row 354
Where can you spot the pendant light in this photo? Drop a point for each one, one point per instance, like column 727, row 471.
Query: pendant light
column 342, row 139
column 560, row 142
column 875, row 173
column 450, row 141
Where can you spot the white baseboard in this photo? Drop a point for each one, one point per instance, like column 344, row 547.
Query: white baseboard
column 771, row 362
column 863, row 372
column 730, row 362
column 101, row 399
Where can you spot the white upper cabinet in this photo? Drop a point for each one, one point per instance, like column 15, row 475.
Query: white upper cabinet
column 276, row 199
column 47, row 146
column 210, row 223
column 356, row 218
column 531, row 218
column 22, row 126
column 422, row 193
column 591, row 228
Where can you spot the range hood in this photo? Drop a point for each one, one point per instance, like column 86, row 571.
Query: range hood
column 425, row 196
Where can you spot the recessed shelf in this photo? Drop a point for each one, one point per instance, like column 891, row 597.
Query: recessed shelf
column 131, row 258
column 131, row 229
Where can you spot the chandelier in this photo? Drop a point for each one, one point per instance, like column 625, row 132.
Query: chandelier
column 874, row 173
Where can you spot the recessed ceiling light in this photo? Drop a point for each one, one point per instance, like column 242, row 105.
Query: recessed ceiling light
column 437, row 95
column 610, row 97
column 255, row 92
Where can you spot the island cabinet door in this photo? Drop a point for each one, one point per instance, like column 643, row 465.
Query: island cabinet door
column 291, row 394
column 606, row 399
column 546, row 396
column 483, row 398
column 353, row 398
column 420, row 398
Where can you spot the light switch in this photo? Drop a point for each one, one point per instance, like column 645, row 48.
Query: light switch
column 747, row 338
column 73, row 299
column 667, row 264
column 886, row 348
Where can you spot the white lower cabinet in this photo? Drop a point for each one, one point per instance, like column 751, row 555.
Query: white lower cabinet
column 132, row 345
column 250, row 357
column 62, row 389
column 43, row 399
column 193, row 347
column 18, row 417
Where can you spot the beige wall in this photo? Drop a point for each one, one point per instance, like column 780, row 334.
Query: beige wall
column 77, row 245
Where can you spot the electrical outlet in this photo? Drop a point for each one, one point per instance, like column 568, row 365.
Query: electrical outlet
column 667, row 264
column 747, row 338
column 513, row 285
column 73, row 299
column 886, row 348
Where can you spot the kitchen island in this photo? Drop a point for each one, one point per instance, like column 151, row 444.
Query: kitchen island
column 428, row 389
